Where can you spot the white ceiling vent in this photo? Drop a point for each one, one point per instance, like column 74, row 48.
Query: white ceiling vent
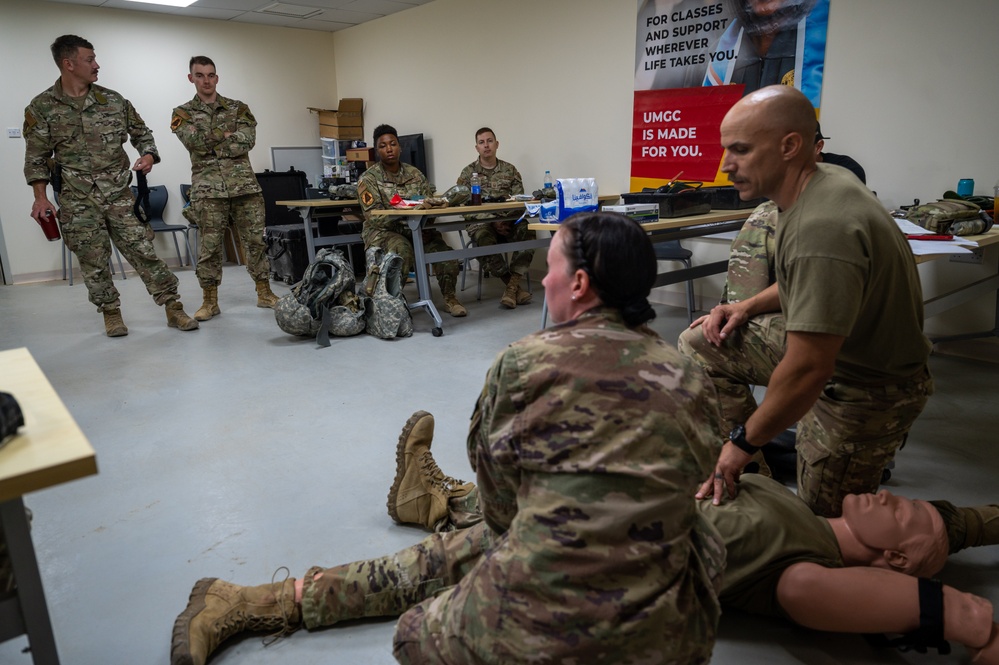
column 294, row 11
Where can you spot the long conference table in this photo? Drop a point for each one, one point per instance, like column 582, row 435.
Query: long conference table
column 453, row 218
column 48, row 450
column 307, row 209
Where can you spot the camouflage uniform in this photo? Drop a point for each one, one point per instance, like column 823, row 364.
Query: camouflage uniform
column 502, row 180
column 855, row 427
column 588, row 440
column 374, row 191
column 95, row 204
column 223, row 185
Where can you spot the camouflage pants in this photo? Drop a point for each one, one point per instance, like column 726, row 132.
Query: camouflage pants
column 391, row 585
column 89, row 225
column 848, row 436
column 491, row 233
column 400, row 241
column 246, row 214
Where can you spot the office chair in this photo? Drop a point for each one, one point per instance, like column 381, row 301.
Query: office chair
column 672, row 250
column 157, row 204
column 67, row 256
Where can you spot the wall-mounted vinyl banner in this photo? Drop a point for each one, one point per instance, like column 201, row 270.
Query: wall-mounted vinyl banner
column 695, row 58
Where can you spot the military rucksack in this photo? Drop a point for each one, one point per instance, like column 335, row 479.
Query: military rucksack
column 950, row 216
column 386, row 312
column 324, row 303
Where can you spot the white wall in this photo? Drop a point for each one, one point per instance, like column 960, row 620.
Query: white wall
column 909, row 91
column 279, row 72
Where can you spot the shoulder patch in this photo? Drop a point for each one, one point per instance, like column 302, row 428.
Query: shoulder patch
column 366, row 198
column 179, row 111
column 176, row 122
column 29, row 120
column 100, row 97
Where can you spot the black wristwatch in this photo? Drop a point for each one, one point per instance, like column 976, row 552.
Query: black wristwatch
column 738, row 437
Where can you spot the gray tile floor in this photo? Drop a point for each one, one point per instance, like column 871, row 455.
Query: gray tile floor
column 236, row 449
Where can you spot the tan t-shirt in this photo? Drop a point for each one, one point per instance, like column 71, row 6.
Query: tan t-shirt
column 844, row 268
column 766, row 528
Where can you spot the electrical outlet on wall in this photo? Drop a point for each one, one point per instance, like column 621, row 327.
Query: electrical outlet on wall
column 13, row 132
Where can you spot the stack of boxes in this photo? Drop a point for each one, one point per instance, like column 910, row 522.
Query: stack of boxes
column 344, row 123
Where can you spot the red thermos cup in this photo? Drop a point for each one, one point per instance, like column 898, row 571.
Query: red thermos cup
column 49, row 226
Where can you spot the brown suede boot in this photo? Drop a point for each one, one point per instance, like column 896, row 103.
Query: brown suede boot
column 210, row 307
column 523, row 297
column 218, row 610
column 453, row 307
column 509, row 299
column 178, row 318
column 113, row 324
column 420, row 491
column 265, row 297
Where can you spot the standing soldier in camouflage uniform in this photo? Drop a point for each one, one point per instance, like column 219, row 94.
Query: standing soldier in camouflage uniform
column 83, row 126
column 588, row 440
column 852, row 365
column 375, row 190
column 219, row 133
column 499, row 179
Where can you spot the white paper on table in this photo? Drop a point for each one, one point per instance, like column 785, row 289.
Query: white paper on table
column 927, row 247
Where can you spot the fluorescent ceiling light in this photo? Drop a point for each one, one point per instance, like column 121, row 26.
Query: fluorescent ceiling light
column 168, row 3
column 285, row 9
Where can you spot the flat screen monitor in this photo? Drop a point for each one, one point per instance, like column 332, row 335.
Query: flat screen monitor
column 414, row 152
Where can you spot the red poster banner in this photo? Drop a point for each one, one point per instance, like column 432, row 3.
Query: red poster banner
column 677, row 131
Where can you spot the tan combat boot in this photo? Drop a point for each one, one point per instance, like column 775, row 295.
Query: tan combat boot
column 265, row 297
column 453, row 307
column 420, row 492
column 509, row 299
column 210, row 307
column 218, row 610
column 178, row 318
column 113, row 324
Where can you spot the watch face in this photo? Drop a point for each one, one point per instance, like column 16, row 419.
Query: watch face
column 738, row 432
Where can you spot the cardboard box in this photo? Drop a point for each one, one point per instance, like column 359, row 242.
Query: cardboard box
column 360, row 154
column 346, row 122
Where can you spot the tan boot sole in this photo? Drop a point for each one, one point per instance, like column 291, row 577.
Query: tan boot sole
column 400, row 463
column 180, row 643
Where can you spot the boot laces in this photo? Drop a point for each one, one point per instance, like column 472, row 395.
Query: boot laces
column 285, row 628
column 430, row 470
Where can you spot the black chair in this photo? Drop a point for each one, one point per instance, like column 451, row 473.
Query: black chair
column 157, row 204
column 672, row 250
column 192, row 227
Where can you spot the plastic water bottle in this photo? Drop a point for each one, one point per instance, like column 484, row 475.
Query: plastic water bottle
column 549, row 183
column 476, row 186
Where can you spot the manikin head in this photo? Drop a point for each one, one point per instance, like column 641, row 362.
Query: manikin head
column 893, row 532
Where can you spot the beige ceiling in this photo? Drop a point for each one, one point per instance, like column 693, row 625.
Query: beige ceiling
column 323, row 15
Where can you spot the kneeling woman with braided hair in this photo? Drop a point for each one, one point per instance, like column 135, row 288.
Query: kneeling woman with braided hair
column 587, row 441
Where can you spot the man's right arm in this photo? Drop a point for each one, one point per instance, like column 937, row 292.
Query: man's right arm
column 874, row 600
column 37, row 153
column 198, row 141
